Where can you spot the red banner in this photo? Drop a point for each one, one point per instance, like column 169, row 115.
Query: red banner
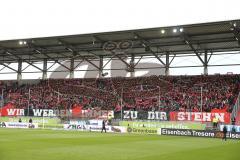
column 4, row 110
column 76, row 111
column 223, row 117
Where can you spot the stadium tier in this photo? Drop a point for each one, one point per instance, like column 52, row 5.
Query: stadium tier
column 155, row 93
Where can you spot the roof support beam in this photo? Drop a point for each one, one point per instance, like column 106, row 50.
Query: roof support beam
column 167, row 64
column 100, row 72
column 51, row 66
column 210, row 57
column 25, row 67
column 76, row 54
column 157, row 57
column 56, row 60
column 172, row 59
column 138, row 61
column 108, row 62
column 2, row 68
column 132, row 73
column 78, row 64
column 44, row 73
column 187, row 41
column 205, row 70
column 62, row 65
column 19, row 72
column 86, row 59
column 146, row 45
column 30, row 63
column 8, row 67
column 205, row 61
column 72, row 68
column 120, row 58
column 236, row 32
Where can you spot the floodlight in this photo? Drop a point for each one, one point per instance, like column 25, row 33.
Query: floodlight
column 20, row 42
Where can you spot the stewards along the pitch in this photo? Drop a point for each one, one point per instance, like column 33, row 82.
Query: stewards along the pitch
column 104, row 126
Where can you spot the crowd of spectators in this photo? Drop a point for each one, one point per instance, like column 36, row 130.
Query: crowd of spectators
column 156, row 93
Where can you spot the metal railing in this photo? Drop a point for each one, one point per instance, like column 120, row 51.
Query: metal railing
column 236, row 108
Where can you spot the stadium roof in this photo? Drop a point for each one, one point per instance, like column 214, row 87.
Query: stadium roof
column 175, row 40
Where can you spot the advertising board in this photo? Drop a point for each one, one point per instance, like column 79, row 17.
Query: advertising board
column 96, row 128
column 163, row 124
column 18, row 125
column 197, row 133
column 47, row 122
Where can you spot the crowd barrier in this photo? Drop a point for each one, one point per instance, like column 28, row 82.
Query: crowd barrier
column 180, row 128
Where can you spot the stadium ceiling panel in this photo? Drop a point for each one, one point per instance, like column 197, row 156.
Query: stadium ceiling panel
column 175, row 40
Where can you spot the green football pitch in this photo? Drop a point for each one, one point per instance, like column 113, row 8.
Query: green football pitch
column 21, row 144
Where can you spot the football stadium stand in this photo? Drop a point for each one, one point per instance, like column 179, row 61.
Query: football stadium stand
column 176, row 93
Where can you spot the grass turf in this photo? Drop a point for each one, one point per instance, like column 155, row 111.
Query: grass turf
column 21, row 144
